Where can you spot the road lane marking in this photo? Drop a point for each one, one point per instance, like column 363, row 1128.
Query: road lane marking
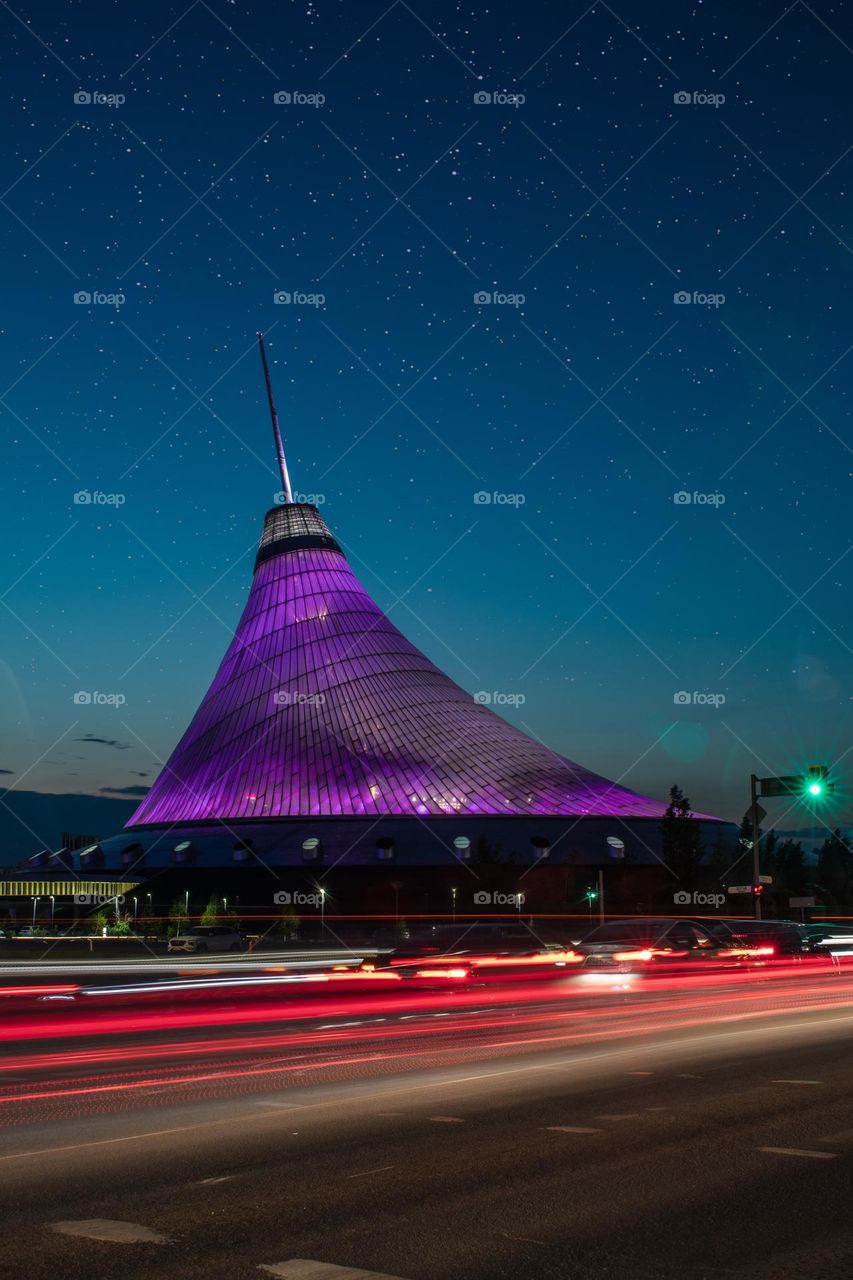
column 796, row 1082
column 793, row 1151
column 368, row 1172
column 629, row 1115
column 108, row 1229
column 306, row 1269
column 686, row 1075
column 571, row 1128
column 211, row 1182
column 446, row 1119
column 522, row 1239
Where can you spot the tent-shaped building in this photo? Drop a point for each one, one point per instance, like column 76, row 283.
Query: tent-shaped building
column 326, row 734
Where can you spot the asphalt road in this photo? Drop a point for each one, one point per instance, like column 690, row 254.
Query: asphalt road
column 652, row 1145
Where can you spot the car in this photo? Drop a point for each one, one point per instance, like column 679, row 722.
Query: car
column 664, row 945
column 786, row 937
column 207, row 937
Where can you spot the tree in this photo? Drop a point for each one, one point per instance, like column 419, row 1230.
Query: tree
column 178, row 917
column 835, row 868
column 681, row 838
column 787, row 864
column 290, row 922
column 214, row 912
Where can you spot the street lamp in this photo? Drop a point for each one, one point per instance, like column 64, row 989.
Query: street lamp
column 323, row 913
column 52, row 907
column 35, row 904
column 453, row 902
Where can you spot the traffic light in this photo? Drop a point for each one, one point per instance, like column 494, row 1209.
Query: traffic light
column 817, row 783
column 757, row 890
column 591, row 895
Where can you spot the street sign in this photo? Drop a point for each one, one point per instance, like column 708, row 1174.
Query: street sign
column 791, row 785
column 755, row 815
column 801, row 902
column 765, row 879
column 740, row 888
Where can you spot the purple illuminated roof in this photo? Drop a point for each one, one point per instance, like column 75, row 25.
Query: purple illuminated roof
column 321, row 706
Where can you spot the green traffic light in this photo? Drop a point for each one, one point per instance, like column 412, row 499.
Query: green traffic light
column 815, row 788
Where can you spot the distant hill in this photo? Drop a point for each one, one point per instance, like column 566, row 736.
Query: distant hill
column 36, row 821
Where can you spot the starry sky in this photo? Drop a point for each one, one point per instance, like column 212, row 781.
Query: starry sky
column 567, row 370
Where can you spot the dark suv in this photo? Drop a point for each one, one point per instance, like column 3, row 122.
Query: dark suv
column 657, row 945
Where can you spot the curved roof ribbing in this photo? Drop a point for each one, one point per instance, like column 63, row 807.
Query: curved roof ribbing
column 322, row 707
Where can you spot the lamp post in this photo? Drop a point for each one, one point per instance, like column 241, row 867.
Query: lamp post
column 35, row 904
column 52, row 907
column 453, row 903
column 322, row 913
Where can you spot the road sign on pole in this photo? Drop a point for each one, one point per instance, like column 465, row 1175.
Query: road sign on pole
column 740, row 888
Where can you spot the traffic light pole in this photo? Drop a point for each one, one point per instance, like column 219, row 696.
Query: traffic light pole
column 756, row 869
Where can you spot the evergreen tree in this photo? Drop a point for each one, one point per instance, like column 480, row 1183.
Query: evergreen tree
column 835, row 868
column 681, row 839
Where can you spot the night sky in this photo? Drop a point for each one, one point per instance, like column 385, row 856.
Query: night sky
column 581, row 402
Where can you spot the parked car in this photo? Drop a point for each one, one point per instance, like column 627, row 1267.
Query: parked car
column 207, row 937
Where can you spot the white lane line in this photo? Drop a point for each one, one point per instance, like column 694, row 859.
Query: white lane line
column 446, row 1119
column 306, row 1269
column 571, row 1128
column 108, row 1229
column 796, row 1082
column 793, row 1151
column 367, row 1173
column 211, row 1182
column 629, row 1115
column 522, row 1239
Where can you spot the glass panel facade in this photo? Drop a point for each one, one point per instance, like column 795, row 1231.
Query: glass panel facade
column 322, row 707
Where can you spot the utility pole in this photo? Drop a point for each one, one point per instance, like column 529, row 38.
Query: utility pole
column 756, row 831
